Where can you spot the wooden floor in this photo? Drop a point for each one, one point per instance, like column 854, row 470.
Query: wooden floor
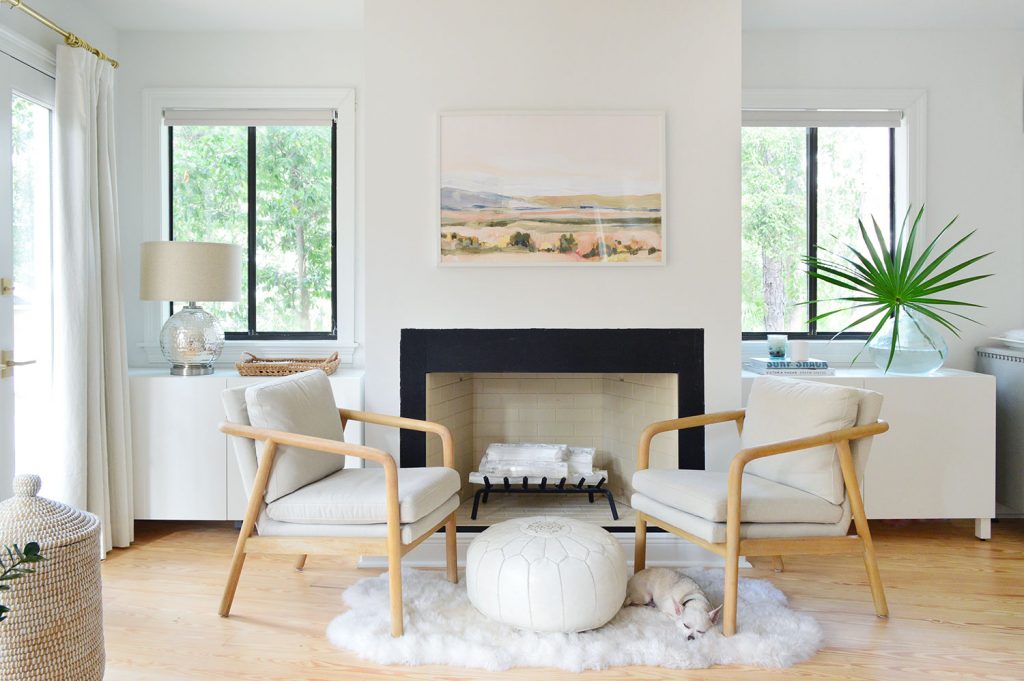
column 957, row 612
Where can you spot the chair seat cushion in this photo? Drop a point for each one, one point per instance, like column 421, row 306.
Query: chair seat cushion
column 716, row 532
column 704, row 494
column 355, row 496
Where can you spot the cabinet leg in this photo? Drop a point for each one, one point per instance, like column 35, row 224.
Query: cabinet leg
column 983, row 528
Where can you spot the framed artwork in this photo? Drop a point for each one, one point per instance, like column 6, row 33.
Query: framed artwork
column 551, row 188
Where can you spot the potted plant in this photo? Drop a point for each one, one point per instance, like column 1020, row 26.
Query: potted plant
column 13, row 567
column 903, row 292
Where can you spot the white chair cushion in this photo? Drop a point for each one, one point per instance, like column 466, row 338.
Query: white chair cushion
column 356, row 497
column 546, row 573
column 704, row 494
column 268, row 527
column 715, row 532
column 784, row 409
column 302, row 404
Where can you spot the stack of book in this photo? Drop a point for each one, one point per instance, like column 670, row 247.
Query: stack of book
column 786, row 367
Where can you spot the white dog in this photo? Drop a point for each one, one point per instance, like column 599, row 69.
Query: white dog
column 675, row 595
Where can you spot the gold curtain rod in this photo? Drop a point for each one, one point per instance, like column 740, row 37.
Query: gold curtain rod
column 70, row 39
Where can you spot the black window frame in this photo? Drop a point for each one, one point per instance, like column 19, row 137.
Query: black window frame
column 812, row 332
column 252, row 333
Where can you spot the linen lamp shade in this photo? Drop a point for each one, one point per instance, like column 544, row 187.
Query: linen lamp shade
column 191, row 271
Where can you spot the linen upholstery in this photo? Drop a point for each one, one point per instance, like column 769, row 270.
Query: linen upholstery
column 268, row 527
column 784, row 409
column 704, row 494
column 715, row 532
column 357, row 497
column 245, row 449
column 304, row 404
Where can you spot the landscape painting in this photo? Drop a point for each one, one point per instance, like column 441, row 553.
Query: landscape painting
column 552, row 188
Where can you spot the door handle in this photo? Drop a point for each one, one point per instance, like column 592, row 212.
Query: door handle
column 7, row 364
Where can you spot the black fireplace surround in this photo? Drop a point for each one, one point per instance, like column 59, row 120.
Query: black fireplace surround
column 654, row 351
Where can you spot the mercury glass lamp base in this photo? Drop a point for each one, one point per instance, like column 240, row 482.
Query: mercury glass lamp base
column 191, row 369
column 191, row 341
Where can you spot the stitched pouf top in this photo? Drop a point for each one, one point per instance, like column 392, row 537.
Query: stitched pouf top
column 546, row 573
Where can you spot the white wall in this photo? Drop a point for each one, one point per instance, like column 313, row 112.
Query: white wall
column 217, row 60
column 680, row 56
column 975, row 136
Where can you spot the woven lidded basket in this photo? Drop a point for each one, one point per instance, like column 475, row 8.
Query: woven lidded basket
column 54, row 631
column 261, row 366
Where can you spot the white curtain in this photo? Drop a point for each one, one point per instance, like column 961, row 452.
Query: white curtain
column 90, row 367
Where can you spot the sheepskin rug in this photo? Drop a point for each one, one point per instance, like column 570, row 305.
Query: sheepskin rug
column 443, row 627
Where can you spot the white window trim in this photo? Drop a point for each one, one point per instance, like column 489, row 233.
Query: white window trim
column 911, row 170
column 155, row 208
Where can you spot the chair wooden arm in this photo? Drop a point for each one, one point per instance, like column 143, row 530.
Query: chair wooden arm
column 447, row 446
column 318, row 444
column 273, row 438
column 841, row 438
column 745, row 456
column 643, row 456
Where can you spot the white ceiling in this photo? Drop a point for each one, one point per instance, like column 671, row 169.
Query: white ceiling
column 883, row 14
column 279, row 15
column 229, row 15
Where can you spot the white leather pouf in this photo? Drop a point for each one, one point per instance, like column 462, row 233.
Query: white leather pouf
column 547, row 573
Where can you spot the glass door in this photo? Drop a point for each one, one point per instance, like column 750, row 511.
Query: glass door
column 26, row 124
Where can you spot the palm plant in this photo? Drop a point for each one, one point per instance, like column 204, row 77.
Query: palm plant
column 886, row 285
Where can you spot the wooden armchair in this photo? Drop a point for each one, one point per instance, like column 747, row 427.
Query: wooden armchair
column 329, row 515
column 789, row 507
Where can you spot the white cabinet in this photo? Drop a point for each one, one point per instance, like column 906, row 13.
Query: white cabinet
column 184, row 468
column 938, row 458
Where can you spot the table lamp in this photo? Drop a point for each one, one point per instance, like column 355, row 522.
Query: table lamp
column 192, row 338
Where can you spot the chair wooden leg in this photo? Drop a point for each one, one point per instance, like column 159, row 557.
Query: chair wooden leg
column 252, row 510
column 640, row 548
column 777, row 564
column 395, row 587
column 300, row 563
column 860, row 520
column 731, row 587
column 233, row 574
column 451, row 549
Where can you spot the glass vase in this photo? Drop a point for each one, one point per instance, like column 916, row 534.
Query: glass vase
column 920, row 347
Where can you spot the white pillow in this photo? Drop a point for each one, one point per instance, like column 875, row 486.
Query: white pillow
column 302, row 404
column 784, row 409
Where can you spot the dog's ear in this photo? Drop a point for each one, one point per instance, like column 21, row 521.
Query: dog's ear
column 714, row 614
column 679, row 607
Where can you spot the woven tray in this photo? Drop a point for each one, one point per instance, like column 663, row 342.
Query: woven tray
column 251, row 365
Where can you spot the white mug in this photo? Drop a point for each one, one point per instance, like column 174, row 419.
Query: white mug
column 799, row 350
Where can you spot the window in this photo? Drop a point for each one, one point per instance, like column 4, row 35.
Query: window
column 807, row 177
column 266, row 180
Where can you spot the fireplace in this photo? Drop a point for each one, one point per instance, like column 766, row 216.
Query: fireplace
column 594, row 388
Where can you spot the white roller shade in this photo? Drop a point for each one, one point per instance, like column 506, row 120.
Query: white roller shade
column 822, row 118
column 249, row 116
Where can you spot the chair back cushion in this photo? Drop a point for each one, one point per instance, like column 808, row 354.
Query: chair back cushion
column 868, row 410
column 245, row 449
column 302, row 404
column 785, row 409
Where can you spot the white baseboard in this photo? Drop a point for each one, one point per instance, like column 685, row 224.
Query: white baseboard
column 663, row 550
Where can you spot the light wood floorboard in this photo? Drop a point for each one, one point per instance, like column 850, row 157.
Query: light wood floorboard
column 957, row 611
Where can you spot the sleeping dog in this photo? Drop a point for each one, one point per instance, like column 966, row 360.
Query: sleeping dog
column 675, row 595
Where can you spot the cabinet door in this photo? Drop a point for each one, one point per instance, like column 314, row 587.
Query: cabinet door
column 938, row 458
column 179, row 455
column 348, row 393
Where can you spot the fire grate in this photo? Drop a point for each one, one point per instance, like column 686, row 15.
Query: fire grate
column 525, row 487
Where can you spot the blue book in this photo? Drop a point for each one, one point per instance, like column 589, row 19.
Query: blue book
column 768, row 363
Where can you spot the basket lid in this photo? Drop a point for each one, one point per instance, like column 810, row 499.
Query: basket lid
column 27, row 517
